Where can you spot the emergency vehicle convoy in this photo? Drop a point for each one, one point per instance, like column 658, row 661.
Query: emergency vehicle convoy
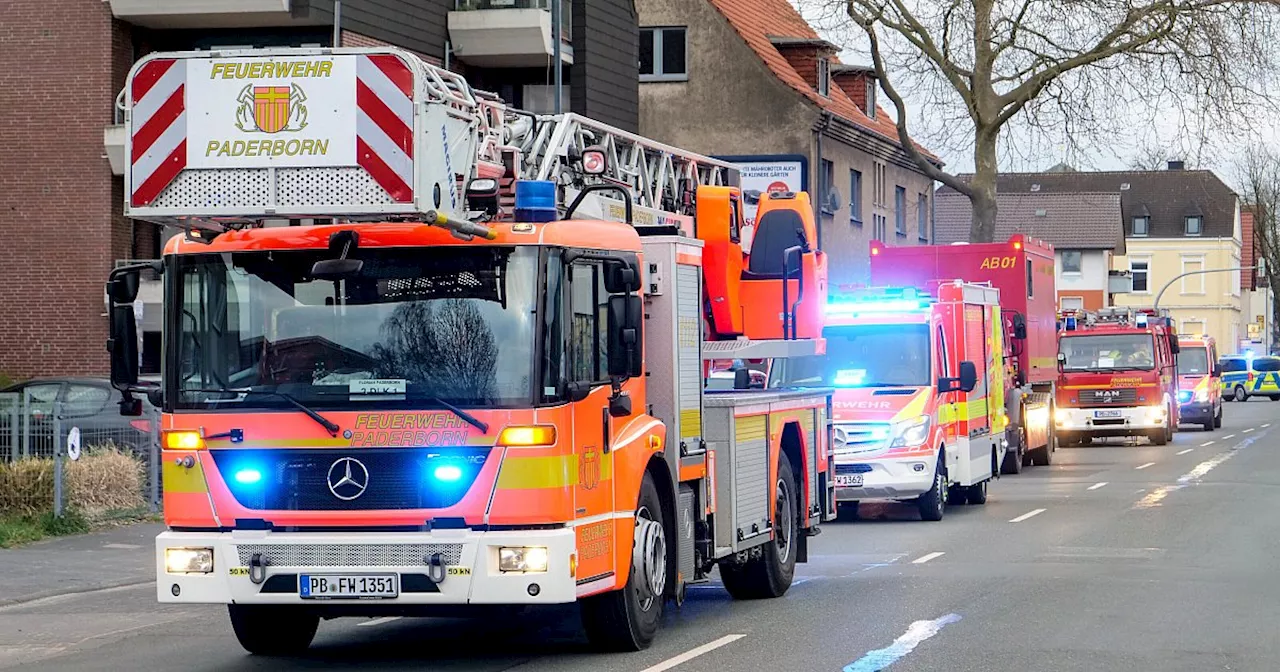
column 1199, row 382
column 1022, row 269
column 479, row 380
column 919, row 409
column 1118, row 376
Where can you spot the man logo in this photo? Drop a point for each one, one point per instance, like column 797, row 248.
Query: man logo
column 271, row 109
column 589, row 470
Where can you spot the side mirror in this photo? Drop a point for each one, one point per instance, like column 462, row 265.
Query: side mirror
column 1019, row 327
column 123, row 288
column 621, row 276
column 625, row 353
column 742, row 379
column 1174, row 347
column 620, row 406
column 123, row 346
column 968, row 376
column 577, row 391
column 1217, row 370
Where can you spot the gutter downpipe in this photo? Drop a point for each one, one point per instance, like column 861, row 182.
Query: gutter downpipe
column 817, row 202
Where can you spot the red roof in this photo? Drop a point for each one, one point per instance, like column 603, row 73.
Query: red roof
column 757, row 20
column 1248, row 251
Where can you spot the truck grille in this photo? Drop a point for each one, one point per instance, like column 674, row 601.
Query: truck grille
column 1105, row 397
column 349, row 555
column 842, row 469
column 392, row 478
column 860, row 437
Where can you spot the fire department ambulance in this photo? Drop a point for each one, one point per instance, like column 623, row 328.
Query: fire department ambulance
column 1199, row 382
column 919, row 411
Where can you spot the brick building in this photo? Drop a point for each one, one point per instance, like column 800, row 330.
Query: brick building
column 63, row 62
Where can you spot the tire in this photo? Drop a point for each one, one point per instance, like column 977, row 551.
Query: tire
column 1217, row 418
column 933, row 504
column 628, row 619
column 1043, row 456
column 1159, row 437
column 1209, row 424
column 1170, row 427
column 1240, row 394
column 272, row 630
column 847, row 511
column 1275, row 397
column 769, row 574
column 976, row 495
column 1013, row 462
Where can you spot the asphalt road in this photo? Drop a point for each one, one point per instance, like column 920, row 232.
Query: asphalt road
column 1117, row 557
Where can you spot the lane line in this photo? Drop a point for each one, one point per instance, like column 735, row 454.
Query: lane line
column 1266, row 425
column 1184, row 452
column 693, row 653
column 1153, row 498
column 1248, row 430
column 1095, row 486
column 1144, row 466
column 926, row 558
column 1029, row 514
column 877, row 660
column 378, row 621
column 1207, row 443
column 1229, row 436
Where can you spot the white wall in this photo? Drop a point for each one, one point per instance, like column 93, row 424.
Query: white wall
column 1094, row 265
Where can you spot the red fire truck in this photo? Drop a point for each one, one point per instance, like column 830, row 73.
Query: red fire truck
column 1022, row 269
column 1118, row 376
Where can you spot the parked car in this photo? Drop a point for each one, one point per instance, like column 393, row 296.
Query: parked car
column 91, row 404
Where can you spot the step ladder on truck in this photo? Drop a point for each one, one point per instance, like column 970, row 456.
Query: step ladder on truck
column 425, row 352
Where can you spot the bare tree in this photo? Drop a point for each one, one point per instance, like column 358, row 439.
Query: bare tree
column 1059, row 67
column 1260, row 181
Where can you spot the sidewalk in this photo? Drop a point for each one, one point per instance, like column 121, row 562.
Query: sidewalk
column 119, row 556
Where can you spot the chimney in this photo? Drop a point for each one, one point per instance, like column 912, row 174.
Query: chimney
column 804, row 54
column 1176, row 165
column 859, row 83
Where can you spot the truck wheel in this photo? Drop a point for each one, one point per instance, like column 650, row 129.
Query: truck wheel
column 770, row 573
column 1170, row 427
column 628, row 619
column 1013, row 461
column 1209, row 423
column 273, row 630
column 1240, row 394
column 933, row 504
column 1042, row 456
column 1159, row 437
column 976, row 494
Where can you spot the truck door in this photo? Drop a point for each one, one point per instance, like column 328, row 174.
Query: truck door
column 588, row 338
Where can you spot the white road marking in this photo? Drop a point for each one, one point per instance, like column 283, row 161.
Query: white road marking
column 1144, row 466
column 1029, row 514
column 693, row 653
column 1184, row 452
column 1205, row 467
column 378, row 621
column 926, row 558
column 1248, row 430
column 1207, row 443
column 1095, row 486
column 1266, row 425
column 1229, row 436
column 919, row 631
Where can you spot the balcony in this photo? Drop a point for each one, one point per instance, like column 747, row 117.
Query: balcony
column 507, row 33
column 205, row 13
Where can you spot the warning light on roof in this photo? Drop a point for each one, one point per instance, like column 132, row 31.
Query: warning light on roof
column 1017, row 244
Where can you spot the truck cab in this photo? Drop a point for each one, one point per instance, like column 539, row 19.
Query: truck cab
column 1199, row 382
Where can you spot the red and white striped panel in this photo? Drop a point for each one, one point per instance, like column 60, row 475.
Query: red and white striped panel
column 384, row 123
column 159, row 127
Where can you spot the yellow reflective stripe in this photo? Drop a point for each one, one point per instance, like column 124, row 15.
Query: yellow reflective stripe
column 557, row 471
column 179, row 479
column 749, row 428
column 690, row 423
column 915, row 407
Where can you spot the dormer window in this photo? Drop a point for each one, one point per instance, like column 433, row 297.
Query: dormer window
column 824, row 76
column 1194, row 225
column 871, row 97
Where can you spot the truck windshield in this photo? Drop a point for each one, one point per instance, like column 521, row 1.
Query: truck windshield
column 890, row 355
column 1193, row 360
column 1107, row 352
column 414, row 327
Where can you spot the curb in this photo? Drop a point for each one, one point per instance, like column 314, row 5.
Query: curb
column 6, row 603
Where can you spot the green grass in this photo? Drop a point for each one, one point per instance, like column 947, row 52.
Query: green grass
column 18, row 530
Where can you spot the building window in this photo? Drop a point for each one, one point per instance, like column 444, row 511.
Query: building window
column 828, row 181
column 1140, row 226
column 1193, row 284
column 855, row 197
column 1071, row 261
column 1138, row 270
column 824, row 77
column 878, row 226
column 662, row 54
column 900, row 210
column 871, row 98
column 922, row 217
column 1073, row 303
column 1193, row 224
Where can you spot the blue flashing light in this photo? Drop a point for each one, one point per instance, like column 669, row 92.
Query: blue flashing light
column 448, row 473
column 1071, row 323
column 536, row 201
column 849, row 377
column 1184, row 396
column 858, row 307
column 248, row 476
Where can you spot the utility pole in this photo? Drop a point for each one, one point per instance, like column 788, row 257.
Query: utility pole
column 337, row 23
column 557, row 12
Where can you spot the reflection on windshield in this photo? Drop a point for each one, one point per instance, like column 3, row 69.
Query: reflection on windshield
column 448, row 323
column 1107, row 352
column 1193, row 361
column 862, row 356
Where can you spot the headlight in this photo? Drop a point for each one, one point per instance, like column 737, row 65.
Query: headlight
column 188, row 560
column 522, row 559
column 911, row 432
column 1156, row 413
column 1061, row 416
column 1202, row 395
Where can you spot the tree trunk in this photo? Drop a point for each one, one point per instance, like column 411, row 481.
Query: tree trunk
column 983, row 199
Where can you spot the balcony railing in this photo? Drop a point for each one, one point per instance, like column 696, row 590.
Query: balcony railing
column 566, row 10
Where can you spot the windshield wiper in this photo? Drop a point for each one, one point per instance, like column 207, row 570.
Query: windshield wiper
column 329, row 425
column 470, row 419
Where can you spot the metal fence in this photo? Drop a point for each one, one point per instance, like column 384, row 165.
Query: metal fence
column 71, row 423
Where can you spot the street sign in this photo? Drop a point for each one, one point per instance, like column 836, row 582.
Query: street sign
column 73, row 444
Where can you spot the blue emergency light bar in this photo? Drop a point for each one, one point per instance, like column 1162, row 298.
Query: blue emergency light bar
column 891, row 300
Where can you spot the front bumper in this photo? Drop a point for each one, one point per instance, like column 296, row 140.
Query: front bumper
column 469, row 574
column 1195, row 411
column 1120, row 421
column 888, row 478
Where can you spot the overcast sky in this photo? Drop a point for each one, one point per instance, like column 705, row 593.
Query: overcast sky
column 1024, row 152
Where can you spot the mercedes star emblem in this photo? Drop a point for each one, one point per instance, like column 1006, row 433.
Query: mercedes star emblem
column 348, row 478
